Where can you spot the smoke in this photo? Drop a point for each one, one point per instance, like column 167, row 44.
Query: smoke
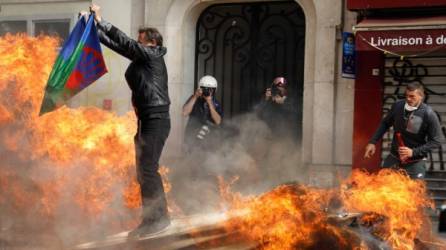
column 243, row 147
column 48, row 203
column 63, row 176
column 69, row 174
column 20, row 202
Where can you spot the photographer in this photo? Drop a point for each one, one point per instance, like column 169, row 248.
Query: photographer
column 277, row 93
column 204, row 113
column 278, row 110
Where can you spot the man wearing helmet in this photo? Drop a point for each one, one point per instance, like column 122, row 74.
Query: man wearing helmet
column 204, row 112
column 201, row 140
column 278, row 110
column 277, row 93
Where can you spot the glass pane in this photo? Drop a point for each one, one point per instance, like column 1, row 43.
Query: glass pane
column 58, row 28
column 12, row 27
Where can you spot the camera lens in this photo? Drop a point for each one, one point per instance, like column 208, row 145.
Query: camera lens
column 274, row 90
column 206, row 91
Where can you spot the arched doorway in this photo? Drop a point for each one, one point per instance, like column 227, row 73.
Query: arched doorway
column 245, row 45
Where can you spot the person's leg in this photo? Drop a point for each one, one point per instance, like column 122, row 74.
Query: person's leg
column 391, row 162
column 416, row 170
column 148, row 147
column 152, row 191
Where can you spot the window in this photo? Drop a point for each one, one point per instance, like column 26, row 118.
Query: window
column 59, row 25
column 60, row 28
column 12, row 27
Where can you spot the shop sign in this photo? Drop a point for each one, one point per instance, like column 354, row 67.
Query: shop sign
column 402, row 40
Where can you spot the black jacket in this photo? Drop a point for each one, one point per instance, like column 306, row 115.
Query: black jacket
column 146, row 75
column 282, row 119
column 421, row 131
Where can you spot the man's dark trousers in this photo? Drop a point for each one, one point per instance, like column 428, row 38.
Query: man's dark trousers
column 415, row 169
column 149, row 143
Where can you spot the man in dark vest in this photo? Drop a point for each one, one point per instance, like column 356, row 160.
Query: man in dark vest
column 417, row 131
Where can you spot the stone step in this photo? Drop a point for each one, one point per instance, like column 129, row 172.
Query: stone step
column 438, row 201
column 436, row 174
column 435, row 182
column 437, row 191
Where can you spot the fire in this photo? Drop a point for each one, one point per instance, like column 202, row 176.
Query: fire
column 76, row 163
column 389, row 205
column 79, row 164
column 392, row 196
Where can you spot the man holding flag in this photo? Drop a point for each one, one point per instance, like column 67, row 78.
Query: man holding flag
column 147, row 78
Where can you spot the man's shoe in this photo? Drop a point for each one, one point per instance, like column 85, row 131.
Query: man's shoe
column 145, row 229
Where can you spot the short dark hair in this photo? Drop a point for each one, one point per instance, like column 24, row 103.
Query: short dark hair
column 415, row 86
column 152, row 34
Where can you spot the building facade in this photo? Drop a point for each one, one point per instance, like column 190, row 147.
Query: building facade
column 325, row 98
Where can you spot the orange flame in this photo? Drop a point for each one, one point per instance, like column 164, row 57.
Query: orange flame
column 393, row 195
column 82, row 160
column 78, row 159
column 298, row 217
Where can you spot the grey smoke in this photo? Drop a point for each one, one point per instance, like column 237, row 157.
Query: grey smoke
column 246, row 148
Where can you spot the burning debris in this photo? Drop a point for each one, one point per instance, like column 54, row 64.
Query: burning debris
column 380, row 211
column 296, row 217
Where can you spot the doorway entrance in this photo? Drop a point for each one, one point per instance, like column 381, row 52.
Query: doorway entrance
column 244, row 46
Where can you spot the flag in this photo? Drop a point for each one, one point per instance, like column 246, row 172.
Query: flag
column 79, row 63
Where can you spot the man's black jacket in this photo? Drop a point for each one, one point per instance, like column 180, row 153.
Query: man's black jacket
column 421, row 131
column 146, row 75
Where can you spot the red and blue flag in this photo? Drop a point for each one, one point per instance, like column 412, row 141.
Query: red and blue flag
column 79, row 63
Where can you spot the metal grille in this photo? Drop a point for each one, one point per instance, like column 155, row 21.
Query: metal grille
column 430, row 71
column 244, row 46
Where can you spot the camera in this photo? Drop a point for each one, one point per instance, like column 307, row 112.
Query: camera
column 206, row 91
column 274, row 90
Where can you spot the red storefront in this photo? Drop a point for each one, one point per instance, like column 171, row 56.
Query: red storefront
column 389, row 52
column 386, row 4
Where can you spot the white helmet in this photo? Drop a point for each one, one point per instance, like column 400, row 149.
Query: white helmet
column 208, row 82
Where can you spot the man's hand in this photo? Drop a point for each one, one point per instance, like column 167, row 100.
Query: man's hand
column 369, row 151
column 97, row 10
column 209, row 99
column 198, row 92
column 189, row 105
column 268, row 94
column 405, row 153
column 214, row 114
column 83, row 14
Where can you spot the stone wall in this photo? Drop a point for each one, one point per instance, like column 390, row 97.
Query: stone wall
column 327, row 111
